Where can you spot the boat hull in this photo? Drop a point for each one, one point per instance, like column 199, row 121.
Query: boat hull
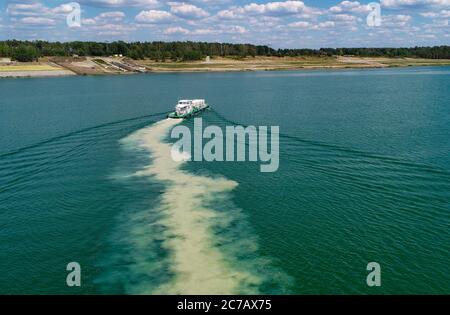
column 195, row 111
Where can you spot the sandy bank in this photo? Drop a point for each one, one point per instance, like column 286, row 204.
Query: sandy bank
column 31, row 74
column 63, row 66
column 285, row 63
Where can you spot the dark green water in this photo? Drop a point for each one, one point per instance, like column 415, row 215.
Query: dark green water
column 364, row 176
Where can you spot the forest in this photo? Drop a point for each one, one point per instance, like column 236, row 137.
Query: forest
column 186, row 51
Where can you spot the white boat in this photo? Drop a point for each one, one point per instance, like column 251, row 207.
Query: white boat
column 187, row 108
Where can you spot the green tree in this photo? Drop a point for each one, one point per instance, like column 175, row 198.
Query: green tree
column 25, row 53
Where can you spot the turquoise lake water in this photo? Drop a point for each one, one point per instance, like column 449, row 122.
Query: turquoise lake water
column 364, row 176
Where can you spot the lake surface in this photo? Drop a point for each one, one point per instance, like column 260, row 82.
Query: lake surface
column 364, row 177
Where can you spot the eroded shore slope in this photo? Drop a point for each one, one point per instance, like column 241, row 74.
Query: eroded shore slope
column 61, row 66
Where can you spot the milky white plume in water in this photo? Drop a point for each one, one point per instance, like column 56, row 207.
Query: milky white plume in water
column 198, row 264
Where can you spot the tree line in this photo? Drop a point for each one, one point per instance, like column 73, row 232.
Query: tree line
column 185, row 51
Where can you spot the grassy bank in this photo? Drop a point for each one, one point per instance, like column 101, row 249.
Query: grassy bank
column 30, row 67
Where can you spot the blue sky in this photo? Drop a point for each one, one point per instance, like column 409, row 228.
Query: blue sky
column 280, row 24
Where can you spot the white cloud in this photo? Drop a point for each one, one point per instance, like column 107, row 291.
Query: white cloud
column 344, row 18
column 414, row 3
column 402, row 18
column 114, row 16
column 310, row 12
column 63, row 9
column 236, row 29
column 38, row 9
column 233, row 13
column 326, row 24
column 219, row 30
column 299, row 25
column 437, row 24
column 399, row 21
column 176, row 30
column 440, row 14
column 204, row 31
column 154, row 16
column 275, row 8
column 88, row 22
column 121, row 3
column 187, row 11
column 105, row 18
column 28, row 9
column 303, row 25
column 37, row 21
column 33, row 13
column 271, row 9
column 349, row 7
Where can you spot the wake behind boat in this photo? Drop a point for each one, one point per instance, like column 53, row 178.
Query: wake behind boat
column 188, row 108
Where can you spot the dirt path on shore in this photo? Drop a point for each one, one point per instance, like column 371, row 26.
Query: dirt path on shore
column 362, row 61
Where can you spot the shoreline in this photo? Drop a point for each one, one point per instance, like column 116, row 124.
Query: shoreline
column 286, row 63
column 93, row 66
column 287, row 69
column 35, row 74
